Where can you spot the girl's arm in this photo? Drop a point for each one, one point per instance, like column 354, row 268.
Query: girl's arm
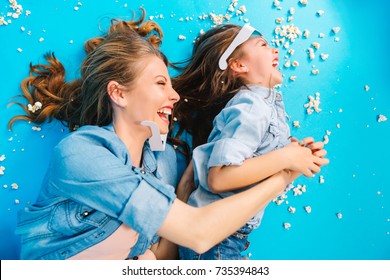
column 201, row 228
column 293, row 157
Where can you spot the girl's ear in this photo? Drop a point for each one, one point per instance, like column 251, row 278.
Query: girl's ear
column 116, row 94
column 238, row 67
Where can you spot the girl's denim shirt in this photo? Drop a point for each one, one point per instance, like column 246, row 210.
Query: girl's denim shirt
column 89, row 190
column 252, row 123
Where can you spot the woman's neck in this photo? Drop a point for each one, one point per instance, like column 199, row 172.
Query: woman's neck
column 134, row 139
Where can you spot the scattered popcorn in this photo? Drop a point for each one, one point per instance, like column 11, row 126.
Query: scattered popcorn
column 14, row 186
column 287, row 225
column 290, row 18
column 313, row 103
column 291, row 209
column 291, row 11
column 316, row 45
column 339, row 215
column 321, row 35
column 382, row 118
column 2, row 157
column 17, row 201
column 2, row 168
column 366, row 88
column 36, row 107
column 303, row 2
column 336, row 30
column 299, row 189
column 76, row 8
column 291, row 51
column 295, row 63
column 326, row 139
column 306, row 33
column 337, row 39
column 315, row 71
column 41, row 39
column 19, row 50
column 296, row 124
column 276, row 3
column 308, row 209
column 321, row 179
column 311, row 53
column 279, row 20
column 293, row 78
column 324, row 56
column 287, row 64
column 320, row 12
column 5, row 186
column 182, row 37
column 36, row 128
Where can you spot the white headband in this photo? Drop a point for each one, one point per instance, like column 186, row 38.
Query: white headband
column 244, row 34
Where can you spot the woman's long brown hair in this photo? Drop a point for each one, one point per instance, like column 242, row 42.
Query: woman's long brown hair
column 84, row 101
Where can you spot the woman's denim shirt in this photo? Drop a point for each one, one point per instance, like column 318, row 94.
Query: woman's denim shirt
column 89, row 190
column 252, row 123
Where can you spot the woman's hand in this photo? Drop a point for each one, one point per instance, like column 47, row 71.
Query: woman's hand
column 186, row 185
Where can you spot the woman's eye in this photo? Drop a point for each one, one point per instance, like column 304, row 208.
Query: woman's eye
column 161, row 83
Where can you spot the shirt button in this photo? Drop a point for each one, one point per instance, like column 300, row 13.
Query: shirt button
column 143, row 171
column 278, row 96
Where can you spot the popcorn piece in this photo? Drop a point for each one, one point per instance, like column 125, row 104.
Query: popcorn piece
column 382, row 118
column 366, row 88
column 315, row 71
column 324, row 56
column 313, row 103
column 316, row 45
column 299, row 189
column 19, row 50
column 287, row 64
column 2, row 157
column 279, row 20
column 291, row 209
column 321, row 179
column 311, row 53
column 321, row 35
column 303, row 2
column 295, row 63
column 34, row 108
column 306, row 33
column 339, row 215
column 291, row 11
column 2, row 168
column 17, row 201
column 336, row 29
column 320, row 12
column 308, row 209
column 36, row 128
column 287, row 225
column 276, row 3
column 293, row 78
column 14, row 186
column 326, row 139
column 296, row 124
column 182, row 37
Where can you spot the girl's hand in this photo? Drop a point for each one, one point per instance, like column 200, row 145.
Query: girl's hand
column 301, row 159
column 186, row 185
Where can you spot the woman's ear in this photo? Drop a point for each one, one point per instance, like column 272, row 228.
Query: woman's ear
column 117, row 96
column 238, row 67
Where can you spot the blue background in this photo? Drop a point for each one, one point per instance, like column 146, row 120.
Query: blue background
column 356, row 181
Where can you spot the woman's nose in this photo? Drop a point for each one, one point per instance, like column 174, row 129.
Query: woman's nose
column 174, row 96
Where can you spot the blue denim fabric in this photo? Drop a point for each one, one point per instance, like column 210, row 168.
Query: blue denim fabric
column 231, row 248
column 252, row 123
column 89, row 190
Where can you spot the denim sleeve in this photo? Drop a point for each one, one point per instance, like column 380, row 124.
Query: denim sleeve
column 239, row 130
column 97, row 175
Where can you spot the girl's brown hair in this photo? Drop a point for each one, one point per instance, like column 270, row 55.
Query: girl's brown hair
column 205, row 89
column 84, row 101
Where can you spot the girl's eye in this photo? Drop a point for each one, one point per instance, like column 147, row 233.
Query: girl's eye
column 162, row 83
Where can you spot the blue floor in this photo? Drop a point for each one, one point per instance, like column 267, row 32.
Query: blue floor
column 350, row 206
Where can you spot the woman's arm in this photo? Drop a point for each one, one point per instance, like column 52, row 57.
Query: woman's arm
column 165, row 249
column 202, row 228
column 293, row 157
